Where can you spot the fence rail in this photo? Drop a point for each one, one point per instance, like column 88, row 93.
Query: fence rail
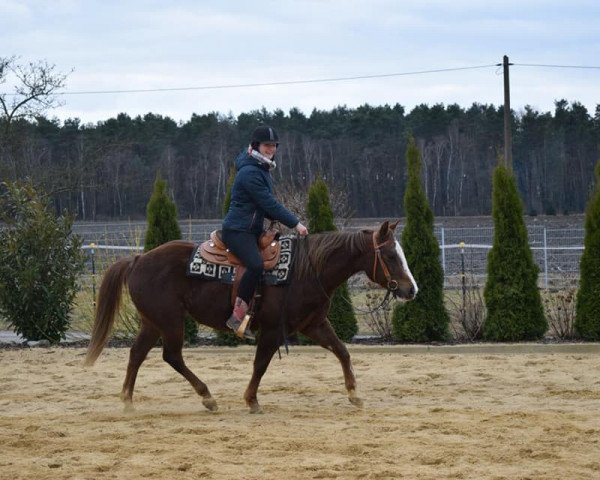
column 557, row 251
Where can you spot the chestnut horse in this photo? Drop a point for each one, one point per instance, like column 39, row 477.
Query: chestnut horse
column 163, row 293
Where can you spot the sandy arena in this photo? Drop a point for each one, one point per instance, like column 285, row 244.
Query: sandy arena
column 443, row 414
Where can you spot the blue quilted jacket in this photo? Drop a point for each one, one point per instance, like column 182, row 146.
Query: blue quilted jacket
column 252, row 198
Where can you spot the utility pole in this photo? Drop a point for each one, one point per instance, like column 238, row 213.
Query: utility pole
column 507, row 117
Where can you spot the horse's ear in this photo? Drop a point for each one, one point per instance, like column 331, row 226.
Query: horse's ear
column 383, row 231
column 394, row 225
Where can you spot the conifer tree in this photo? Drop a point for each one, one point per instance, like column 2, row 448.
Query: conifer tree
column 161, row 214
column 587, row 321
column 513, row 301
column 320, row 219
column 425, row 319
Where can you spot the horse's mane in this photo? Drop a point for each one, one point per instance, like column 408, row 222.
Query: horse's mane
column 312, row 251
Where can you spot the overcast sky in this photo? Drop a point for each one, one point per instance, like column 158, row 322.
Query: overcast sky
column 133, row 45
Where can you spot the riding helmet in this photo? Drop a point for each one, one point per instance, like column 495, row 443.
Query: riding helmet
column 264, row 134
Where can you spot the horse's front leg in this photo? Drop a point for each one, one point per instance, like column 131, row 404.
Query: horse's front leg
column 323, row 334
column 268, row 341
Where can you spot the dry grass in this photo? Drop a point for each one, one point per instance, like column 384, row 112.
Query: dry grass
column 466, row 310
column 560, row 309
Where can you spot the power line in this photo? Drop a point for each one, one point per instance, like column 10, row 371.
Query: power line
column 314, row 80
column 268, row 84
column 555, row 66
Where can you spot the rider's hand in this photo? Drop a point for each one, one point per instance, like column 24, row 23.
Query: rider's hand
column 301, row 229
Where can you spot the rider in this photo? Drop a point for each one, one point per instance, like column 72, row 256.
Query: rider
column 252, row 201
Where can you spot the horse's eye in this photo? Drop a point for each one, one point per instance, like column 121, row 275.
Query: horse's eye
column 389, row 255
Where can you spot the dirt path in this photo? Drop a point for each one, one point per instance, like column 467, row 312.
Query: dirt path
column 427, row 416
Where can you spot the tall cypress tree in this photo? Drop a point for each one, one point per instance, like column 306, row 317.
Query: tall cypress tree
column 161, row 214
column 513, row 301
column 425, row 319
column 587, row 321
column 320, row 219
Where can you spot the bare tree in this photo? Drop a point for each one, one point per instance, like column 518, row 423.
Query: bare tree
column 296, row 199
column 34, row 88
column 192, row 181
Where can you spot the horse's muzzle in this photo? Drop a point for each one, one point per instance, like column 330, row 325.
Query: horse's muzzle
column 406, row 295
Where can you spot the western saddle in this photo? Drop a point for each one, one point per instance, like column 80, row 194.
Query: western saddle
column 215, row 251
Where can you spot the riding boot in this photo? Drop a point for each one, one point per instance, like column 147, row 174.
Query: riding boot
column 234, row 322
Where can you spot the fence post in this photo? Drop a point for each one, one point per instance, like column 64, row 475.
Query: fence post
column 463, row 282
column 92, row 252
column 545, row 260
column 443, row 250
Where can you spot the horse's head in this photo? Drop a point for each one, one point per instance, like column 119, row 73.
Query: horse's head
column 390, row 269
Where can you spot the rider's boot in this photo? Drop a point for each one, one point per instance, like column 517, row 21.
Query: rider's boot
column 240, row 309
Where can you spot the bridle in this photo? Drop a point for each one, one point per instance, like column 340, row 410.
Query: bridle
column 392, row 284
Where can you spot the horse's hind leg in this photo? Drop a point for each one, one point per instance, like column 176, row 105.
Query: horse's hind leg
column 172, row 346
column 323, row 334
column 145, row 340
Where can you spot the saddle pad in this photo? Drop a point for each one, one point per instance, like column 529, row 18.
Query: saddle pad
column 280, row 275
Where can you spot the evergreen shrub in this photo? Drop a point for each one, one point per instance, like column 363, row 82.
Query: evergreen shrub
column 161, row 215
column 513, row 301
column 425, row 318
column 587, row 320
column 320, row 219
column 40, row 263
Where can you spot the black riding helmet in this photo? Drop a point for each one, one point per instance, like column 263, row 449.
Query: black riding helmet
column 264, row 134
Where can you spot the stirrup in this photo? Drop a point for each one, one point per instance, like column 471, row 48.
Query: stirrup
column 240, row 327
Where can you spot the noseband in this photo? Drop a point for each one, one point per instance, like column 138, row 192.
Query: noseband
column 392, row 284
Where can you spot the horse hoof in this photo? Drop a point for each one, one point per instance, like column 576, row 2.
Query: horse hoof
column 128, row 407
column 354, row 400
column 210, row 403
column 255, row 408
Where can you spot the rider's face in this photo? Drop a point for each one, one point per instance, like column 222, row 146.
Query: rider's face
column 267, row 149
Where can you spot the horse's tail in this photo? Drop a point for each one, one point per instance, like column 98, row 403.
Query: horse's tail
column 109, row 301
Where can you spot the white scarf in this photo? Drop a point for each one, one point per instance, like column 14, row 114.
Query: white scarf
column 262, row 159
